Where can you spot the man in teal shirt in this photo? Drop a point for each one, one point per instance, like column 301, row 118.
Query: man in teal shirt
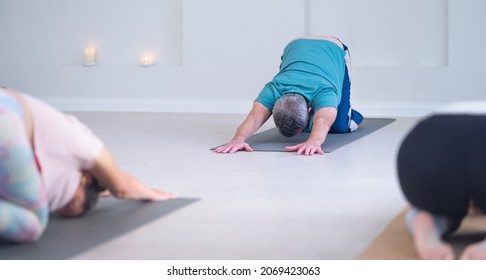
column 310, row 93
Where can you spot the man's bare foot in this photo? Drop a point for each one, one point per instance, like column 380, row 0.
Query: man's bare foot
column 427, row 240
column 476, row 251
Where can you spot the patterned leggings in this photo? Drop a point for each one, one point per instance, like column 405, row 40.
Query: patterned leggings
column 23, row 207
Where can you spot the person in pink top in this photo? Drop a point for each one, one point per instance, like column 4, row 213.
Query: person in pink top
column 50, row 162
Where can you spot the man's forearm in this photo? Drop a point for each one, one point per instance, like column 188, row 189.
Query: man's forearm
column 245, row 130
column 322, row 122
column 319, row 132
column 255, row 119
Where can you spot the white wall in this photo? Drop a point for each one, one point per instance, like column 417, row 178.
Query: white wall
column 216, row 55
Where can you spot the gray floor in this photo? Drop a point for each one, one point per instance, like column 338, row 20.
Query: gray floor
column 259, row 205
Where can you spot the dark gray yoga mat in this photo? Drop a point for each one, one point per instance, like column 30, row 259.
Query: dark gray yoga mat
column 111, row 218
column 272, row 141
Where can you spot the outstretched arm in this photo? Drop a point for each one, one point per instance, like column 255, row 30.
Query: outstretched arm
column 121, row 184
column 322, row 122
column 258, row 115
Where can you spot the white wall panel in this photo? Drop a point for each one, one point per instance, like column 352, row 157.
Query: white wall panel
column 239, row 33
column 232, row 48
column 122, row 31
column 407, row 54
column 383, row 33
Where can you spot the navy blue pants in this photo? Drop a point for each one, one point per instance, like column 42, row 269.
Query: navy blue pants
column 345, row 114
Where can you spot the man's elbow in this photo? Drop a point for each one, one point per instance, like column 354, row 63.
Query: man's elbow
column 324, row 122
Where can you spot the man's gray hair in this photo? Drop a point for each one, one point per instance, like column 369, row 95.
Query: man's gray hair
column 290, row 114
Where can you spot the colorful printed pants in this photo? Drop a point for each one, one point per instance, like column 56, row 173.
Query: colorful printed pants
column 23, row 208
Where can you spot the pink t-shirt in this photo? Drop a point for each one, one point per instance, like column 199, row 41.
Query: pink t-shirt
column 64, row 148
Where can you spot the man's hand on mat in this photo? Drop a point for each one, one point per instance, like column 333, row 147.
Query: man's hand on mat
column 306, row 148
column 232, row 147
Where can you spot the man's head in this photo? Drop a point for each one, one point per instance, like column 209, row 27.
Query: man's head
column 84, row 199
column 291, row 114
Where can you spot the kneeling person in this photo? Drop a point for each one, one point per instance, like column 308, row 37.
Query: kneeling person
column 310, row 93
column 442, row 172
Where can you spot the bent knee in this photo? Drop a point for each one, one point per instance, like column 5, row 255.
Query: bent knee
column 29, row 233
column 340, row 128
column 32, row 235
column 21, row 226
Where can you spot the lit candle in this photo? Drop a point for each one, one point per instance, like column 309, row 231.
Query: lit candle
column 147, row 60
column 90, row 56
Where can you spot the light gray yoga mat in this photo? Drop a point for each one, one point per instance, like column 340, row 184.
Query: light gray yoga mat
column 111, row 218
column 272, row 141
